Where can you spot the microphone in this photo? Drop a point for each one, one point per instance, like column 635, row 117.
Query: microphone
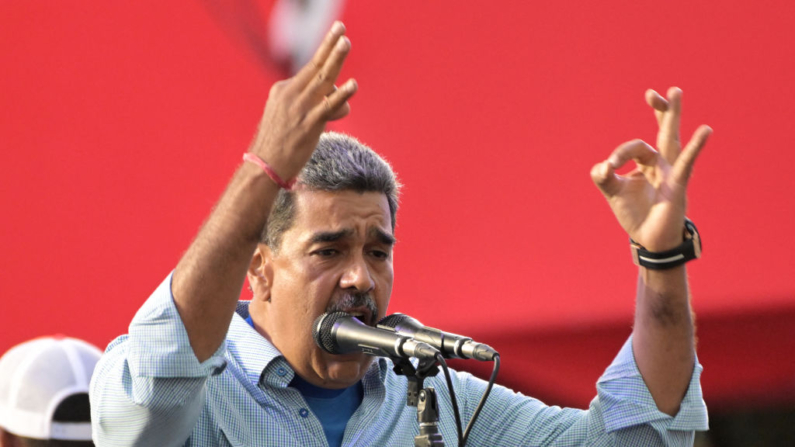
column 449, row 344
column 340, row 333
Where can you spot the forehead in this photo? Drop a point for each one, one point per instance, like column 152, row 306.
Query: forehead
column 323, row 211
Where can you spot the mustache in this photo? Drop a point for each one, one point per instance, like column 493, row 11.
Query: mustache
column 348, row 300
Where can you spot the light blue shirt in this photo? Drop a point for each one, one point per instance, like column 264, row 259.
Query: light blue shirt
column 333, row 408
column 150, row 390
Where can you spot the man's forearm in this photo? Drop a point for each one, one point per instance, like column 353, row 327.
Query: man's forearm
column 663, row 335
column 209, row 277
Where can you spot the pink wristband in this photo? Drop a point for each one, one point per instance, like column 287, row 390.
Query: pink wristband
column 288, row 185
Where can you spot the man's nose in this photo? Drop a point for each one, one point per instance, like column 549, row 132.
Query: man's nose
column 357, row 275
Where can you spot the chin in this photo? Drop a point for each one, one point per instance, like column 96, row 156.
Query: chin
column 345, row 371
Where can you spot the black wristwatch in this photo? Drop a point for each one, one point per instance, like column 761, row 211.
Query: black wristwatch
column 689, row 249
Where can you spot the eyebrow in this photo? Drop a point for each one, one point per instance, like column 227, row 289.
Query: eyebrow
column 384, row 238
column 330, row 236
column 333, row 236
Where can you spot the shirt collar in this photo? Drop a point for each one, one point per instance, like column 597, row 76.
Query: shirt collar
column 253, row 352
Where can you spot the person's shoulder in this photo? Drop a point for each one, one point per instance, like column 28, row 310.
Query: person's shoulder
column 118, row 341
column 116, row 350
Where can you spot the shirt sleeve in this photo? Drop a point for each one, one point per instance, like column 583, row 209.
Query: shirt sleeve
column 148, row 387
column 629, row 409
column 622, row 414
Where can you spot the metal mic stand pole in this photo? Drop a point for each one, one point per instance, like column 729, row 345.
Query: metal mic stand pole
column 422, row 398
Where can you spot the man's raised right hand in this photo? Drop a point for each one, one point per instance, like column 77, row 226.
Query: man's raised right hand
column 299, row 108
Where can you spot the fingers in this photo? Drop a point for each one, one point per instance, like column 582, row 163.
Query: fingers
column 604, row 174
column 314, row 84
column 308, row 72
column 335, row 105
column 316, row 80
column 605, row 178
column 325, row 78
column 658, row 103
column 683, row 167
column 637, row 150
column 668, row 136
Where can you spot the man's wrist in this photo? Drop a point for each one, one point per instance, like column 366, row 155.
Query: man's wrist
column 286, row 184
column 688, row 250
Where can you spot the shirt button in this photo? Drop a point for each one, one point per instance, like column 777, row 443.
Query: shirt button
column 282, row 371
column 303, row 412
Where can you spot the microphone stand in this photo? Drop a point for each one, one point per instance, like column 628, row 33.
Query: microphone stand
column 423, row 398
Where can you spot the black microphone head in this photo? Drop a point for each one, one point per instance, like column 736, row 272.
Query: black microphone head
column 322, row 331
column 400, row 321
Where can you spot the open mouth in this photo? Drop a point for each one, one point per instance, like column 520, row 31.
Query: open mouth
column 362, row 315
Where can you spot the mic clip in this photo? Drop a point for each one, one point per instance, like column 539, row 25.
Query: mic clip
column 427, row 367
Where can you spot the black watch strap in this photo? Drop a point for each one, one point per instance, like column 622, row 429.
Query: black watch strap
column 689, row 249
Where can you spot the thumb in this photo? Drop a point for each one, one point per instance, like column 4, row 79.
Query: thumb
column 605, row 178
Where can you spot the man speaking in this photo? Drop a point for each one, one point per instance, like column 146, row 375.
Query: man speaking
column 309, row 219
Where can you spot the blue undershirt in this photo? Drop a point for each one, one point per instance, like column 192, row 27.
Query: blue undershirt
column 333, row 408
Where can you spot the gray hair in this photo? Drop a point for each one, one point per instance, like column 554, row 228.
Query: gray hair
column 339, row 163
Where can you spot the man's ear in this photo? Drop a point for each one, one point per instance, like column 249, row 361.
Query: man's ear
column 260, row 273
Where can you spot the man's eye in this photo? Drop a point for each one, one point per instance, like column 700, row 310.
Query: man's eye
column 326, row 252
column 380, row 254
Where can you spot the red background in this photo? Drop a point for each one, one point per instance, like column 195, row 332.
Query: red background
column 120, row 124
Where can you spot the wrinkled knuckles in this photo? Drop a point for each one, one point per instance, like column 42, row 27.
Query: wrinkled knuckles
column 277, row 89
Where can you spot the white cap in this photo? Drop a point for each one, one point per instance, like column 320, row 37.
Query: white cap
column 35, row 377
